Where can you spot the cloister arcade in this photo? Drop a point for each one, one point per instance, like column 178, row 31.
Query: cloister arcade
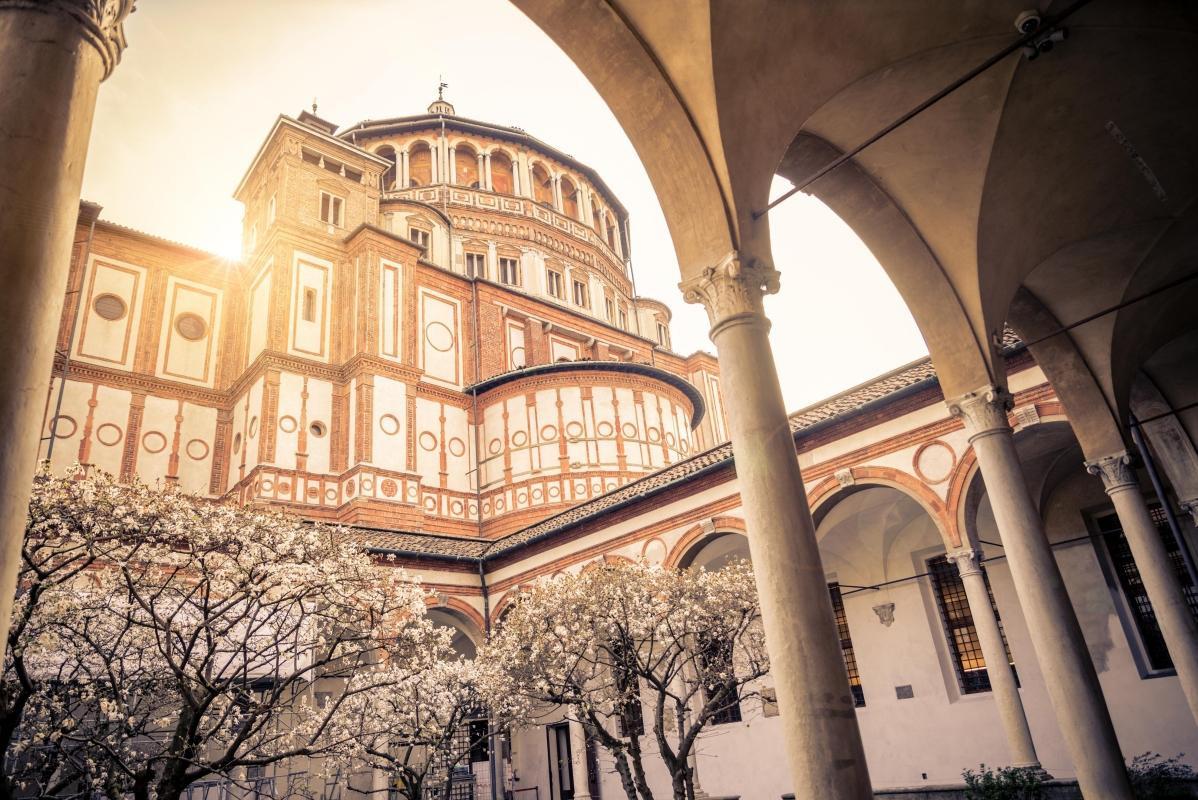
column 1054, row 195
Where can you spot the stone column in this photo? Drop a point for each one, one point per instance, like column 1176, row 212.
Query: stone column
column 998, row 669
column 452, row 173
column 578, row 761
column 1056, row 635
column 403, row 170
column 1164, row 590
column 557, row 194
column 53, row 56
column 823, row 741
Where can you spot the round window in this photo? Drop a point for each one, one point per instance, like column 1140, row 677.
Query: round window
column 109, row 307
column 317, row 429
column 191, row 326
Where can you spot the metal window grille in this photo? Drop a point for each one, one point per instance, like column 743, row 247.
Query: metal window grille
column 1128, row 575
column 958, row 625
column 846, row 645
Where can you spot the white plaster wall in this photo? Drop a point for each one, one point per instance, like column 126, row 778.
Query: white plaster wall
column 389, row 449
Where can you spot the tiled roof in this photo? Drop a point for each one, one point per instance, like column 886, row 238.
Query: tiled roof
column 840, row 405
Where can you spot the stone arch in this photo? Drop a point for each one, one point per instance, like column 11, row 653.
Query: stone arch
column 468, row 625
column 465, row 166
column 503, row 172
column 570, row 198
column 829, row 492
column 390, row 175
column 542, row 183
column 420, row 163
column 698, row 535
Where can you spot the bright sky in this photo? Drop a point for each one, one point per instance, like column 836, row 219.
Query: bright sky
column 202, row 82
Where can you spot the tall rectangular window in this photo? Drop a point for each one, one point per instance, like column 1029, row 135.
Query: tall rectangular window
column 958, row 624
column 846, row 645
column 309, row 308
column 609, row 309
column 330, row 208
column 580, row 295
column 476, row 265
column 663, row 335
column 1127, row 574
column 623, row 319
column 553, row 283
column 509, row 271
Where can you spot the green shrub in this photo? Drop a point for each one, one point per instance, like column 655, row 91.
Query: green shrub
column 1154, row 777
column 1004, row 783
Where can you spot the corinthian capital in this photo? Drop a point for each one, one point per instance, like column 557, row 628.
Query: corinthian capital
column 734, row 287
column 983, row 411
column 1115, row 470
column 969, row 562
column 101, row 22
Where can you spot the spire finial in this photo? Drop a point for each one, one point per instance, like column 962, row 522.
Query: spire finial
column 314, row 106
column 441, row 87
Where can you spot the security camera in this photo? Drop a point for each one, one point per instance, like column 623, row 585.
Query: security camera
column 1027, row 21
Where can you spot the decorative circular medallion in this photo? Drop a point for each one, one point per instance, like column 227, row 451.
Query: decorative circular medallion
column 519, row 438
column 388, row 487
column 288, row 424
column 605, row 429
column 349, row 488
column 428, row 440
column 284, row 487
column 457, row 507
column 110, row 307
column 548, row 433
column 197, row 449
column 518, row 358
column 457, row 447
column 670, row 439
column 522, row 498
column 108, row 434
column 253, row 427
column 389, row 424
column 367, row 485
column 629, row 430
column 154, row 442
column 575, row 429
column 554, row 492
column 494, row 446
column 191, row 326
column 684, row 445
column 538, row 494
column 500, row 505
column 412, row 492
column 439, row 336
column 654, row 551
column 934, row 462
column 654, row 435
column 330, row 495
column 430, row 503
column 64, row 427
column 313, row 492
column 267, row 485
column 318, row 429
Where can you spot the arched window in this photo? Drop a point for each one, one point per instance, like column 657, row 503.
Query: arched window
column 501, row 173
column 596, row 212
column 420, row 165
column 569, row 198
column 542, row 185
column 465, row 164
column 612, row 235
column 388, row 153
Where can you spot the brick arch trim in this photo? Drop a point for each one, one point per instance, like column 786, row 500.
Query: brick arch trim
column 463, row 609
column 697, row 535
column 830, row 491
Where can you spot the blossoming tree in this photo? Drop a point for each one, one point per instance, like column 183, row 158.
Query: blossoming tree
column 607, row 642
column 162, row 640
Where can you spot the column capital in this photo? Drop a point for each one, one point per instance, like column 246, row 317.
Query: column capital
column 733, row 288
column 984, row 410
column 1115, row 470
column 969, row 562
column 102, row 22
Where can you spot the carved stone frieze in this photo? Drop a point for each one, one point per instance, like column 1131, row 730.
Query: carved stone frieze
column 734, row 287
column 983, row 410
column 1115, row 470
column 102, row 22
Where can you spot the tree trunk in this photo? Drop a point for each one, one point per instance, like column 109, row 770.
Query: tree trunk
column 625, row 774
column 638, row 768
